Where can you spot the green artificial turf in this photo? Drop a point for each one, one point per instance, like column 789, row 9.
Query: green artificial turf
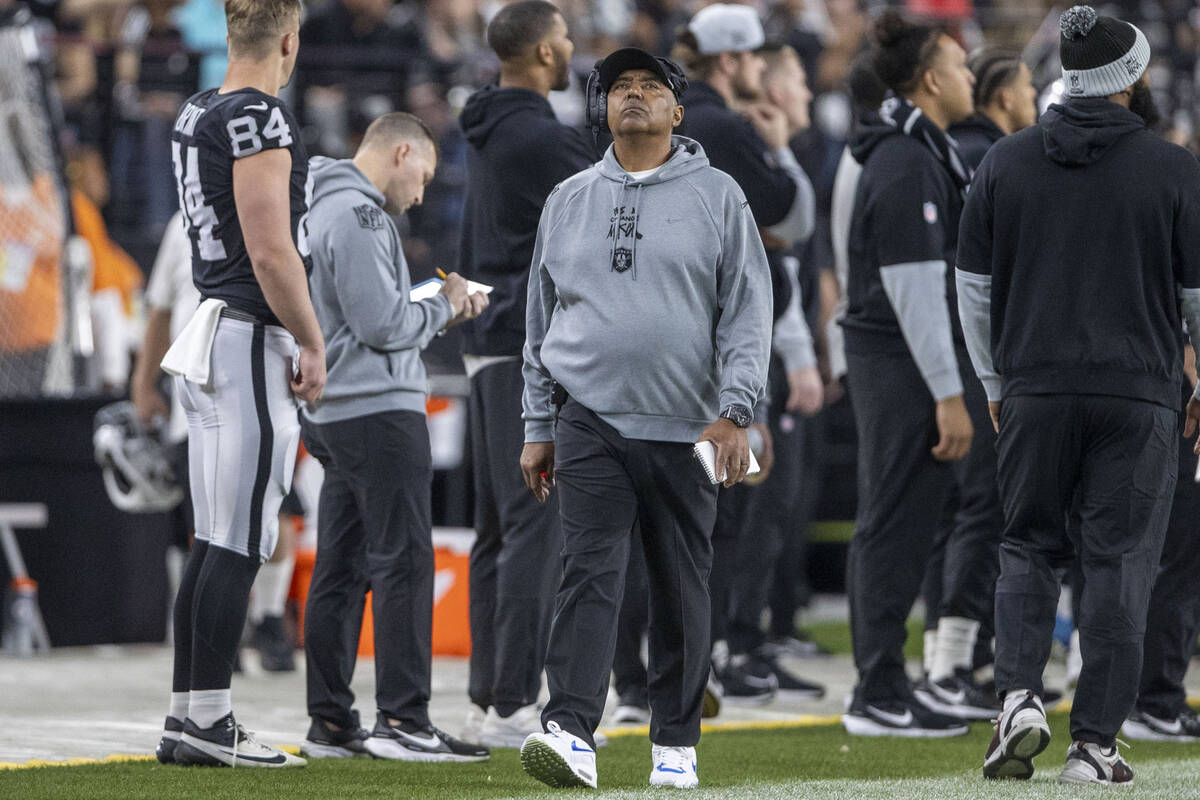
column 819, row 762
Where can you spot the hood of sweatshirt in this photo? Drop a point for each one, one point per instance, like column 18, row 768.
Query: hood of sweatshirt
column 870, row 131
column 687, row 156
column 491, row 105
column 978, row 124
column 336, row 174
column 1081, row 131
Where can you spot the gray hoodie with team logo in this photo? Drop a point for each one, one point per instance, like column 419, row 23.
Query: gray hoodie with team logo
column 360, row 290
column 649, row 299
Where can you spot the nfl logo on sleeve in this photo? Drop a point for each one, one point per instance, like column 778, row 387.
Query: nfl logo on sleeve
column 930, row 213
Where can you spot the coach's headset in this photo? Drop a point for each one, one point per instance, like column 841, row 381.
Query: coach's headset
column 621, row 60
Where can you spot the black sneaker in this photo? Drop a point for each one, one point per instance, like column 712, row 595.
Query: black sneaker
column 791, row 685
column 1144, row 727
column 410, row 742
column 324, row 741
column 227, row 744
column 1089, row 763
column 1021, row 733
column 796, row 646
column 274, row 645
column 172, row 730
column 744, row 681
column 901, row 717
column 958, row 696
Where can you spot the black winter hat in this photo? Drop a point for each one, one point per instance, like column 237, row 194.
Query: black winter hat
column 1100, row 55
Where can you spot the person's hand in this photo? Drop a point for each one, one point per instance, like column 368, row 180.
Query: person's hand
column 732, row 457
column 954, row 429
column 771, row 124
column 1189, row 425
column 147, row 401
column 472, row 308
column 806, row 391
column 994, row 410
column 309, row 380
column 537, row 467
column 454, row 286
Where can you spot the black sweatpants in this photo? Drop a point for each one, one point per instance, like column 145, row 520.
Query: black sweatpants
column 607, row 483
column 1174, row 618
column 514, row 561
column 1114, row 460
column 374, row 533
column 966, row 562
column 629, row 671
column 902, row 492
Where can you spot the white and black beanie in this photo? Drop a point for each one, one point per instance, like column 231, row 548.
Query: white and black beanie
column 1100, row 55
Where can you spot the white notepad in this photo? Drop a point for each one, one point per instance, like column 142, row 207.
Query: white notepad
column 426, row 289
column 706, row 454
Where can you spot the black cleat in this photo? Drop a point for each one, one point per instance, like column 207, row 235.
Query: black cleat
column 227, row 744
column 172, row 730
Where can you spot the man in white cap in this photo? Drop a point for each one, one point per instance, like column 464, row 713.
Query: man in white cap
column 747, row 137
column 1079, row 244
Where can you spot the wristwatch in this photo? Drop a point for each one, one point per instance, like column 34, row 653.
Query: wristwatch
column 738, row 415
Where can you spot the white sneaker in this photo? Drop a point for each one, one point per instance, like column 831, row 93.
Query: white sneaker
column 1074, row 660
column 1089, row 763
column 227, row 744
column 674, row 767
column 473, row 724
column 1021, row 733
column 510, row 731
column 631, row 714
column 559, row 759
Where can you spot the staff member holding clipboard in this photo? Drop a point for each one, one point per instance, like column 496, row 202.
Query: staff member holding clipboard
column 369, row 433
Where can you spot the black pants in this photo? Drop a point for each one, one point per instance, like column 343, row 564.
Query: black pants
column 902, row 491
column 966, row 560
column 770, row 552
column 629, row 671
column 607, row 483
column 1115, row 461
column 514, row 562
column 1174, row 618
column 374, row 534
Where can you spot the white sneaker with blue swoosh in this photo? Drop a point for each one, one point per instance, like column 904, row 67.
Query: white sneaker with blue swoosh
column 559, row 759
column 674, row 767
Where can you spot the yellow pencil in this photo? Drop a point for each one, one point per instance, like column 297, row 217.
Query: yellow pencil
column 441, row 273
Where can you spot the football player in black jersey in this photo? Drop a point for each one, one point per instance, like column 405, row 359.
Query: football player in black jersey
column 242, row 176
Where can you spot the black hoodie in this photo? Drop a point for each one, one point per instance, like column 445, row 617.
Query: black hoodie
column 519, row 152
column 975, row 136
column 1084, row 224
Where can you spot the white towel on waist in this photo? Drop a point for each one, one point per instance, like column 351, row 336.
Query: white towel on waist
column 190, row 354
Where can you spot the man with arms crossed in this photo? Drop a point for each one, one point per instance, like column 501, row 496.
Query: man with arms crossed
column 242, row 174
column 650, row 311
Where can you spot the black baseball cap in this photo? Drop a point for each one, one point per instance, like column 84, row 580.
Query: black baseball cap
column 628, row 58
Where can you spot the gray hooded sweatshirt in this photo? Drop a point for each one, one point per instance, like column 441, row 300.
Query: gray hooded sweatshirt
column 649, row 299
column 359, row 286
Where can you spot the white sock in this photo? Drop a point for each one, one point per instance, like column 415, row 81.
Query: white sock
column 955, row 646
column 929, row 650
column 269, row 597
column 207, row 706
column 179, row 705
column 1014, row 697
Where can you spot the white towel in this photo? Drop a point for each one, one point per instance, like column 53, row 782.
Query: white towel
column 191, row 352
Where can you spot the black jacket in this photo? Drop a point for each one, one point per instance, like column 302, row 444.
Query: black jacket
column 1086, row 223
column 975, row 136
column 519, row 152
column 733, row 146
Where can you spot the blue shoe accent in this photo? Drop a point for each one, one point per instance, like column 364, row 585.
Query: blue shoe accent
column 661, row 768
column 575, row 746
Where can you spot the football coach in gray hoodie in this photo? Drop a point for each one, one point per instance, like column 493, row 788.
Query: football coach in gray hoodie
column 648, row 329
column 370, row 435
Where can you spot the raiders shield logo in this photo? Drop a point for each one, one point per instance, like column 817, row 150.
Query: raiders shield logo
column 622, row 259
